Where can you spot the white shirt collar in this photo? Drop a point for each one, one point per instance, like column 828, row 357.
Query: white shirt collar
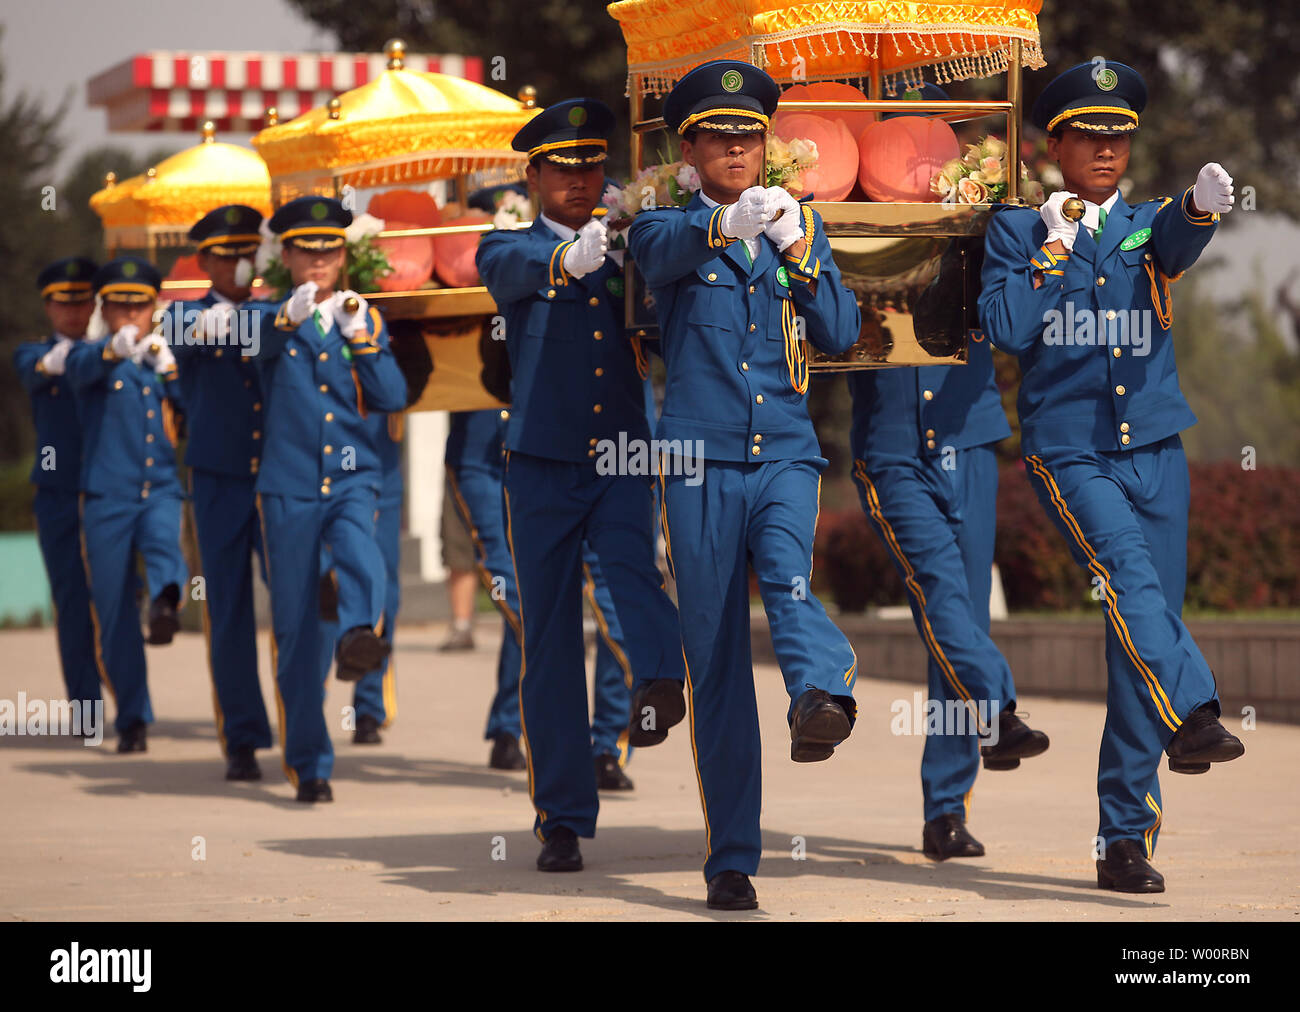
column 1091, row 217
column 563, row 231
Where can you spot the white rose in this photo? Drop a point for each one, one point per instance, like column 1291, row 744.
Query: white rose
column 362, row 225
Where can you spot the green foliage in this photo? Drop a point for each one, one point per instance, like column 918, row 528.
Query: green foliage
column 16, row 494
column 367, row 263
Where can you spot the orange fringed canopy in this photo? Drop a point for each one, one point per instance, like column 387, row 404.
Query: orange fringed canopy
column 404, row 126
column 831, row 40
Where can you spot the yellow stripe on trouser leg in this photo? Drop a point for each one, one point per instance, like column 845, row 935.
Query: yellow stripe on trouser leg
column 1148, row 836
column 289, row 771
column 94, row 613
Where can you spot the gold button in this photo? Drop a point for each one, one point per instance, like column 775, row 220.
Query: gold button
column 751, row 289
column 1110, row 314
column 593, row 301
column 149, row 413
column 598, row 335
column 293, row 353
column 148, row 462
column 149, row 438
column 929, row 444
column 713, row 277
column 325, row 490
column 600, row 371
column 145, row 391
column 758, row 437
column 928, row 395
column 551, row 294
column 596, row 408
column 758, row 399
column 744, row 366
column 1120, row 390
column 591, row 441
column 1148, row 256
column 753, row 327
column 117, row 385
column 323, row 356
column 329, row 416
column 252, row 466
column 257, row 434
column 257, row 405
column 1123, row 426
column 505, row 416
column 1125, row 440
column 326, row 479
column 929, row 433
column 1101, row 281
column 328, row 449
column 144, row 493
column 217, row 353
column 591, row 453
column 1116, row 352
column 54, row 391
column 755, row 451
column 324, row 389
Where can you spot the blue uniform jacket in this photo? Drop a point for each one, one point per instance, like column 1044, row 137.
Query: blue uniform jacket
column 315, row 389
column 574, row 372
column 1088, row 381
column 387, row 432
column 737, row 370
column 220, row 386
column 128, row 427
column 918, row 412
column 54, row 410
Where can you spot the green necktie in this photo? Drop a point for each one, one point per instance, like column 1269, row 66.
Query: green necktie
column 748, row 255
column 1101, row 221
column 315, row 318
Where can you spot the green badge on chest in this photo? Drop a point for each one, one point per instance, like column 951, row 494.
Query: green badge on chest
column 615, row 286
column 782, row 278
column 347, row 353
column 1136, row 239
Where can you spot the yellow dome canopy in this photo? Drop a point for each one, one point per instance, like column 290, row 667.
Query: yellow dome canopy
column 958, row 39
column 115, row 203
column 403, row 126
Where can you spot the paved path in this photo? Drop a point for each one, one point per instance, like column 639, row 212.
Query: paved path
column 89, row 835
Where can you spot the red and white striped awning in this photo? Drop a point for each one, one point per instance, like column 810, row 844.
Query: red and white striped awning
column 178, row 90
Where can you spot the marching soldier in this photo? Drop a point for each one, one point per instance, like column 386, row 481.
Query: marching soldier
column 223, row 397
column 1100, row 414
column 740, row 276
column 325, row 365
column 575, row 383
column 65, row 287
column 927, row 474
column 127, row 396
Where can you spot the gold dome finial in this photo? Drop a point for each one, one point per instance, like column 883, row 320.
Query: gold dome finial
column 528, row 96
column 209, row 131
column 395, row 50
column 151, row 172
column 110, row 179
column 335, row 107
column 272, row 116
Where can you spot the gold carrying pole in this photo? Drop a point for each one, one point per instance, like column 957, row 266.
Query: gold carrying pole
column 1013, row 123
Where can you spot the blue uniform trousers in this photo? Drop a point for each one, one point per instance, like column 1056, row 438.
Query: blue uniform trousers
column 112, row 531
column 939, row 527
column 225, row 522
column 293, row 531
column 1124, row 516
column 375, row 694
column 763, row 514
column 58, row 528
column 612, row 685
column 552, row 507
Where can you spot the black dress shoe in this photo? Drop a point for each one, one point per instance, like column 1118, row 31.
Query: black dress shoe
column 1016, row 741
column 360, row 651
column 367, row 732
column 817, row 726
column 947, row 836
column 560, row 851
column 610, row 775
column 506, row 754
column 163, row 622
column 133, row 738
column 241, row 765
column 731, row 890
column 664, row 700
column 1127, row 870
column 1200, row 741
column 315, row 790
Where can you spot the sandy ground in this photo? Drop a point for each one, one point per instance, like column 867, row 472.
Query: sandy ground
column 419, row 821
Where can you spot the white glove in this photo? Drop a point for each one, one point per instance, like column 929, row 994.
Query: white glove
column 54, row 361
column 1212, row 193
column 123, row 342
column 589, row 248
column 745, row 218
column 785, row 218
column 215, row 320
column 349, row 323
column 1058, row 225
column 159, row 361
column 301, row 303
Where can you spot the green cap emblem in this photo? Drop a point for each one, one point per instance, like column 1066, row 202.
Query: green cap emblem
column 231, row 215
column 1107, row 80
column 732, row 81
column 577, row 115
column 318, row 211
column 129, row 269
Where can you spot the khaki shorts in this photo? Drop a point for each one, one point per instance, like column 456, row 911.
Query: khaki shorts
column 457, row 545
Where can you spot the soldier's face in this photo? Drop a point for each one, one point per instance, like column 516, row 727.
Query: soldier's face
column 119, row 314
column 70, row 318
column 221, row 271
column 568, row 193
column 321, row 266
column 728, row 164
column 1092, row 164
